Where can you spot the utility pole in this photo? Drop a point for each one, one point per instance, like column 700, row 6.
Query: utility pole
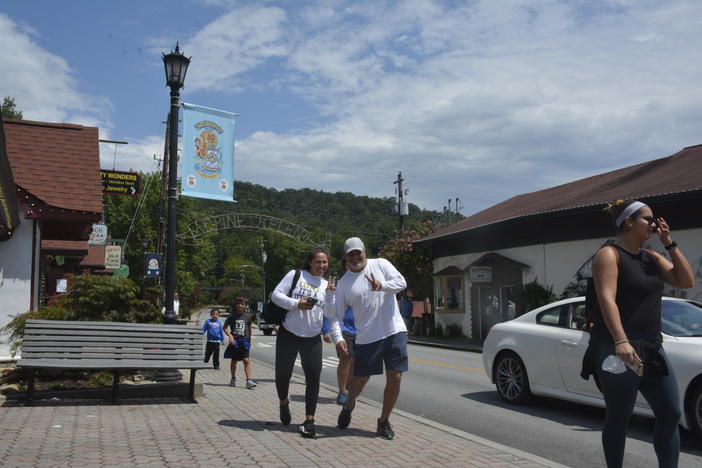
column 264, row 257
column 164, row 189
column 400, row 200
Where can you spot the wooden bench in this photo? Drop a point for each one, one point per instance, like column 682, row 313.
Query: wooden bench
column 113, row 346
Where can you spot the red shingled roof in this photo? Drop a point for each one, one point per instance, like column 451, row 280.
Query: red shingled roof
column 673, row 174
column 56, row 162
column 95, row 257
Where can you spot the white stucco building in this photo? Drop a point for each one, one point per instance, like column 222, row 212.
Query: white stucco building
column 50, row 195
column 482, row 262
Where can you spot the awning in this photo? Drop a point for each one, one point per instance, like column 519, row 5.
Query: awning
column 68, row 248
column 9, row 213
column 449, row 271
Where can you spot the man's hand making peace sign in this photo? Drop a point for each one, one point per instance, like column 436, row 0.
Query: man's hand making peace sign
column 375, row 284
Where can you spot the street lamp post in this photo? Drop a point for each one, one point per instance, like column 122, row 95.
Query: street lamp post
column 176, row 65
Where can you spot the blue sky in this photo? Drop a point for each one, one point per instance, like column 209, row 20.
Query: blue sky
column 479, row 100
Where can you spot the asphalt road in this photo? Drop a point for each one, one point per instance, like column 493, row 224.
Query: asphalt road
column 450, row 387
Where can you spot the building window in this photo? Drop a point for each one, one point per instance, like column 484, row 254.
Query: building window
column 448, row 293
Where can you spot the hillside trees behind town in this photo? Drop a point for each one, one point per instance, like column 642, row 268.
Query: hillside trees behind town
column 223, row 264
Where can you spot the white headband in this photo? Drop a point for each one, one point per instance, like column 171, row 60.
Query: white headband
column 628, row 211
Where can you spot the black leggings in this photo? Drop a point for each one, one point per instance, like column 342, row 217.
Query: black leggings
column 661, row 393
column 287, row 346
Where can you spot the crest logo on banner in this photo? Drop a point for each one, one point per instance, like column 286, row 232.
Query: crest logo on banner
column 208, row 153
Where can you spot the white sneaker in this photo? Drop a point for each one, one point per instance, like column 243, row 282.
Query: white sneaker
column 250, row 384
column 232, row 383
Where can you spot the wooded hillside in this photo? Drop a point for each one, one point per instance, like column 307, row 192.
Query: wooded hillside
column 225, row 263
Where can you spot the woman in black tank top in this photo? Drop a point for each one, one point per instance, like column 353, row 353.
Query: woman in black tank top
column 629, row 282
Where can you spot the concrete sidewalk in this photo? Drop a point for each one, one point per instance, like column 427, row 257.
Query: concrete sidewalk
column 231, row 427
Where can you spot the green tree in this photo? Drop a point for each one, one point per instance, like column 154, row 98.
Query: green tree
column 8, row 109
column 413, row 261
column 535, row 295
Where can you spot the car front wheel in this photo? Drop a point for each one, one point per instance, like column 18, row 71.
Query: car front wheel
column 511, row 379
column 268, row 332
column 695, row 409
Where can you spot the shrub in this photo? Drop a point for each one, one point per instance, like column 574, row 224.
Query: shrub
column 439, row 330
column 454, row 330
column 536, row 295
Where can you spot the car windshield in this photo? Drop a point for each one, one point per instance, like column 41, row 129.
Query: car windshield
column 681, row 318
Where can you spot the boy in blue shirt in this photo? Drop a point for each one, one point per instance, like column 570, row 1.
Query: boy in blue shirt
column 215, row 336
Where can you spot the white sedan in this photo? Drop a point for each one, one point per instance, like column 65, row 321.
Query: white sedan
column 541, row 353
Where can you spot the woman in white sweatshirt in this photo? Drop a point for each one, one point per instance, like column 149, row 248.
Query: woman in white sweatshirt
column 312, row 297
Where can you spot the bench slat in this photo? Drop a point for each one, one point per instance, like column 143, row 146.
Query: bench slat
column 140, row 341
column 117, row 364
column 146, row 340
column 32, row 323
column 113, row 356
column 107, row 344
column 124, row 334
column 113, row 350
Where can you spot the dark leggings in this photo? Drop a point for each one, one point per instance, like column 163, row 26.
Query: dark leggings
column 661, row 393
column 287, row 346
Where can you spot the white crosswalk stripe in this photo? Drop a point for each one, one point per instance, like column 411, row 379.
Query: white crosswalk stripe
column 329, row 362
column 263, row 345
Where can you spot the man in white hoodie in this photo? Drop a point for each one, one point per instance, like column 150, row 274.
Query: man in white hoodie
column 369, row 288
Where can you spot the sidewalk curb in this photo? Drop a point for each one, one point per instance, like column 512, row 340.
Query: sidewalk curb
column 427, row 422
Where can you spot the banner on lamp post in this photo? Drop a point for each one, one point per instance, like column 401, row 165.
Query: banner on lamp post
column 208, row 153
column 152, row 265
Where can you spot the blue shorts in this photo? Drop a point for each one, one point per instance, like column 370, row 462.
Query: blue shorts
column 392, row 351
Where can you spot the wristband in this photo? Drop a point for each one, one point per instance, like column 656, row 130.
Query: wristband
column 620, row 342
column 671, row 246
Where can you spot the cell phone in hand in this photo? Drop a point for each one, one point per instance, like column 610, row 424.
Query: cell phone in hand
column 311, row 301
column 637, row 367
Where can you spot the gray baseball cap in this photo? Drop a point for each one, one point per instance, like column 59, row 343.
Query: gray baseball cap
column 353, row 243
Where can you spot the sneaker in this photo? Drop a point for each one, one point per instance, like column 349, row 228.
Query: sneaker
column 345, row 417
column 342, row 398
column 250, row 384
column 385, row 429
column 216, row 367
column 307, row 429
column 232, row 383
column 285, row 413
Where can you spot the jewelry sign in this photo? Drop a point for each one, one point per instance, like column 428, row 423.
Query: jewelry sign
column 208, row 153
column 119, row 182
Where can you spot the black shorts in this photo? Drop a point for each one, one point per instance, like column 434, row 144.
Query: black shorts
column 236, row 354
column 350, row 339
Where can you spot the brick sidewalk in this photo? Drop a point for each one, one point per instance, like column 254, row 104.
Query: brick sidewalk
column 231, row 427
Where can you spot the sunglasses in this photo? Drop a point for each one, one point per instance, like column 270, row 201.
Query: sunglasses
column 649, row 219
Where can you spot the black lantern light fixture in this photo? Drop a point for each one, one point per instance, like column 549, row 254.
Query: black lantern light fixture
column 176, row 65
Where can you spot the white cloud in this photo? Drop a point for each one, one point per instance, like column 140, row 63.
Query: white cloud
column 43, row 84
column 487, row 100
column 478, row 100
column 234, row 43
column 140, row 154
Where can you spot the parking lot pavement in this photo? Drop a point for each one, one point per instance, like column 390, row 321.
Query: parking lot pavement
column 231, row 426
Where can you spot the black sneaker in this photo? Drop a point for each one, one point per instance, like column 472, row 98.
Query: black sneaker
column 385, row 429
column 285, row 413
column 345, row 417
column 307, row 429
